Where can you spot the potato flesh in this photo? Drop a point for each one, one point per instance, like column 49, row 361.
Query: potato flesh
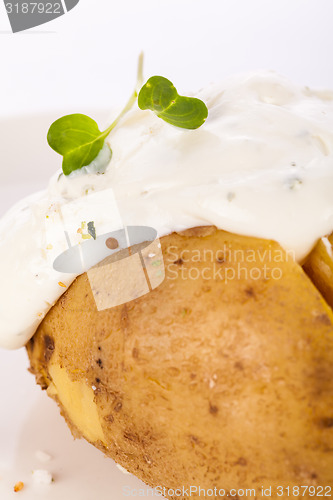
column 78, row 399
column 319, row 267
column 201, row 381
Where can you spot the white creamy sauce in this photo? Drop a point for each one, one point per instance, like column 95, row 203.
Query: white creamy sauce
column 261, row 165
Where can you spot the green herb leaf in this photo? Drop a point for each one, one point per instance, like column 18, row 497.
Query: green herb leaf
column 77, row 138
column 160, row 95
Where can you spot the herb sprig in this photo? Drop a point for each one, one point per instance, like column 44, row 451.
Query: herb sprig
column 78, row 139
column 160, row 95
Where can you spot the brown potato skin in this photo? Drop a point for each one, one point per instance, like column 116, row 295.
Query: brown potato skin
column 202, row 382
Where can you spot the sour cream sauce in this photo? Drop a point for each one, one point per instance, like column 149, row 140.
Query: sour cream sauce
column 261, row 165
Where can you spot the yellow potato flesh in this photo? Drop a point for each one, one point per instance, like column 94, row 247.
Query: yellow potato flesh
column 204, row 381
column 78, row 399
column 319, row 267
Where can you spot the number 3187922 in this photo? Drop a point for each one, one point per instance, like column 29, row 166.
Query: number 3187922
column 301, row 491
column 33, row 7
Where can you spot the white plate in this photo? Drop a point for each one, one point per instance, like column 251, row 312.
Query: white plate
column 29, row 420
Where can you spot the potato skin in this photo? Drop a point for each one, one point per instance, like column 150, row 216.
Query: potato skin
column 203, row 382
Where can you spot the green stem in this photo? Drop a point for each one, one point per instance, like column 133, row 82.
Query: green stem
column 132, row 99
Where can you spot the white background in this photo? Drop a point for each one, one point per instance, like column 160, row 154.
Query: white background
column 87, row 58
column 85, row 62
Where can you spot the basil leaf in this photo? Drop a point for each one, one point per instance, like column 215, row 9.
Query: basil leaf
column 160, row 95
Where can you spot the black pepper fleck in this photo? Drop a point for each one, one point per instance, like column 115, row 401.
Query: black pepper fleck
column 99, row 362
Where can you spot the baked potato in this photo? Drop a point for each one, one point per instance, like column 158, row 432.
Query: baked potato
column 221, row 377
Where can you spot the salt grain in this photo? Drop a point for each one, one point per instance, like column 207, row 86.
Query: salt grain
column 42, row 476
